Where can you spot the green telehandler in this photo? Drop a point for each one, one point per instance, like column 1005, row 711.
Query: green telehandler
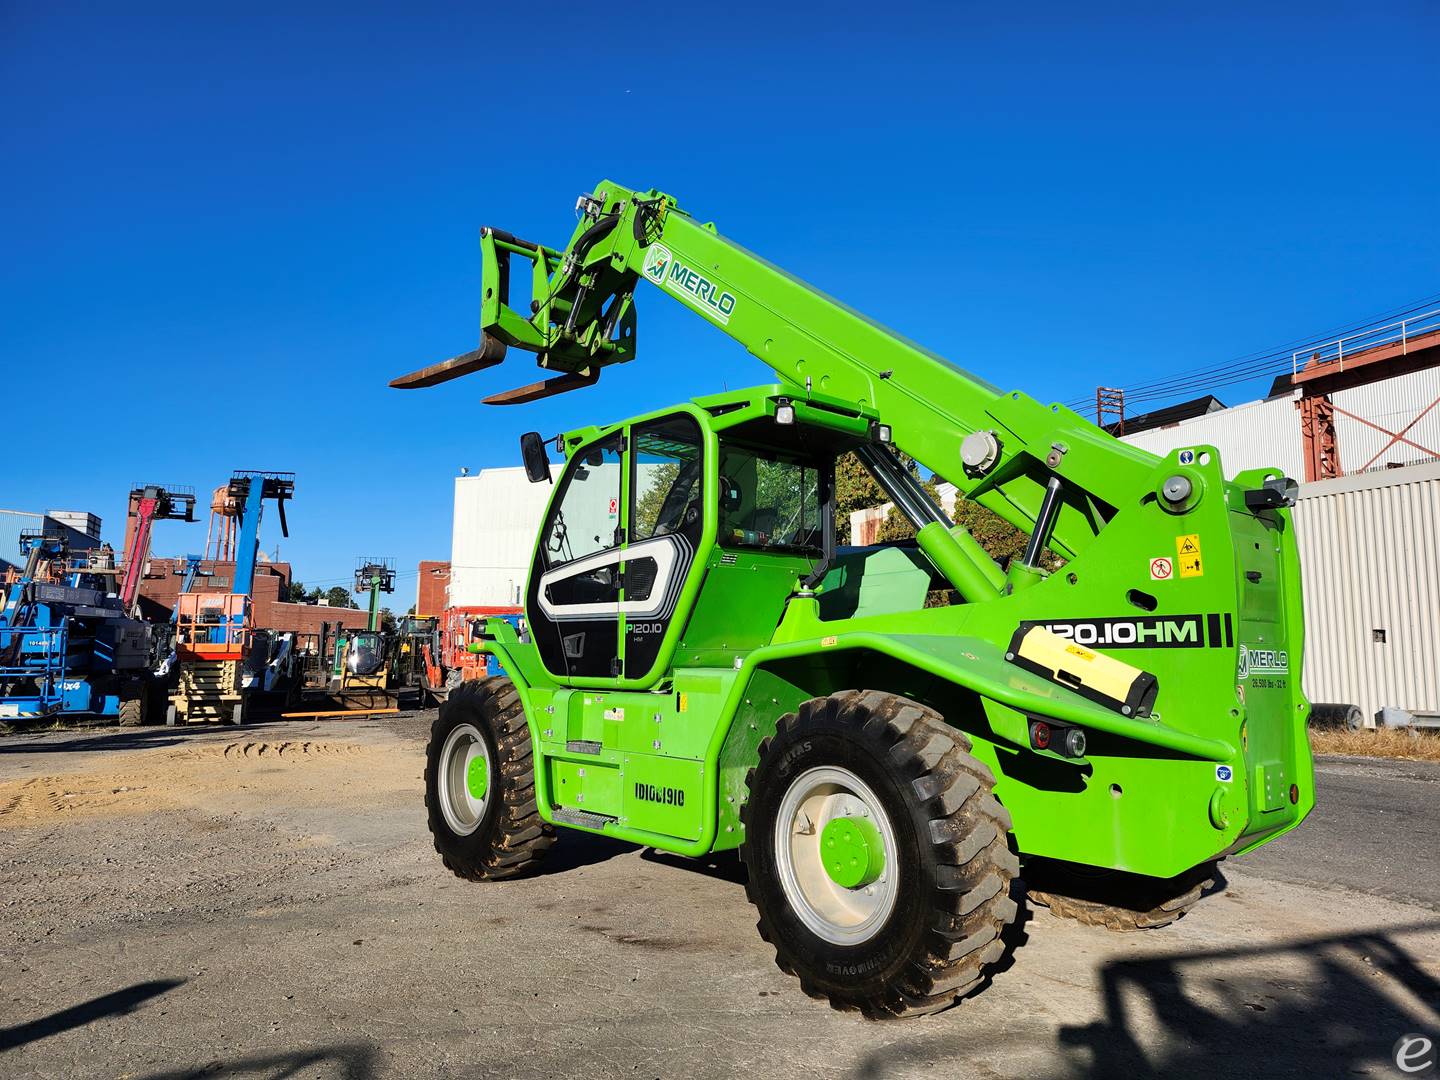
column 704, row 669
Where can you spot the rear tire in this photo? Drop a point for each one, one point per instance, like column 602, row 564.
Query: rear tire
column 1114, row 899
column 480, row 784
column 932, row 929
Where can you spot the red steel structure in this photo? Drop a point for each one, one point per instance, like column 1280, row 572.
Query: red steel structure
column 149, row 503
column 1383, row 353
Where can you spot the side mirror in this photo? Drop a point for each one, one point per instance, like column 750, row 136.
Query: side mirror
column 537, row 460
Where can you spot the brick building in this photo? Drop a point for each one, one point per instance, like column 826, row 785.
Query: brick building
column 432, row 596
column 163, row 578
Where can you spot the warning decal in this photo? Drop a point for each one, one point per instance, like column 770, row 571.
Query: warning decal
column 1187, row 550
column 1161, row 569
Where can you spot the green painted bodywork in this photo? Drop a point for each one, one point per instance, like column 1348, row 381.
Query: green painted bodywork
column 1219, row 766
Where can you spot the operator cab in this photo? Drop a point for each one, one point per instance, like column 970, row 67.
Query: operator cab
column 666, row 535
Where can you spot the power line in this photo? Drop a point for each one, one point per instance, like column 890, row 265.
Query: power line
column 1254, row 365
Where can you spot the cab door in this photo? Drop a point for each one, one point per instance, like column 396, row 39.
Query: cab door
column 666, row 530
column 573, row 595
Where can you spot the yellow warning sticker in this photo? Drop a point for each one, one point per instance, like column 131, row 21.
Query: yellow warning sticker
column 826, row 642
column 1187, row 548
column 684, row 702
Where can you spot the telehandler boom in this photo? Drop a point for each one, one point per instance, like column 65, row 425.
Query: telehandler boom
column 705, row 670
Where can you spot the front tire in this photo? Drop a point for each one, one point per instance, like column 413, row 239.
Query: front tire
column 878, row 857
column 480, row 784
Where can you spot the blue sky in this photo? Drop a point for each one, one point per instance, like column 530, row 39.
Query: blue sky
column 225, row 232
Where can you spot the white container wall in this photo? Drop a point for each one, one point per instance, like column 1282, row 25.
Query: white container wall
column 1370, row 562
column 1256, row 435
column 497, row 518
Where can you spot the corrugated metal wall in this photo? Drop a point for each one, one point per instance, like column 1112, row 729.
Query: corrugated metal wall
column 1256, row 435
column 1370, row 561
column 1391, row 403
column 497, row 517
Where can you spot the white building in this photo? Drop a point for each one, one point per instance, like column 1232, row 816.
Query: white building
column 497, row 518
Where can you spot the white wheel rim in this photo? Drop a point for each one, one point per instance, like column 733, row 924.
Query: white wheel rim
column 839, row 915
column 461, row 808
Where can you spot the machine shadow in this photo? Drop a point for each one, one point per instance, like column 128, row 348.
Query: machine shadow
column 575, row 849
column 113, row 1004
column 721, row 865
column 111, row 738
column 1346, row 1023
column 354, row 1061
column 1175, row 1015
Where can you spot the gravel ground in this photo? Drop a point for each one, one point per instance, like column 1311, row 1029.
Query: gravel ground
column 265, row 902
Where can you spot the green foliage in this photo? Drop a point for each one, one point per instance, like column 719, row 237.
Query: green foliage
column 293, row 593
column 1002, row 541
column 658, row 479
column 855, row 489
column 340, row 597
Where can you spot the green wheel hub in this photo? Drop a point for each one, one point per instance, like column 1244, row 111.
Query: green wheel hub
column 852, row 851
column 477, row 777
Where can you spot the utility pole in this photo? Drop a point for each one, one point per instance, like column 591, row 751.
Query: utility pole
column 1110, row 401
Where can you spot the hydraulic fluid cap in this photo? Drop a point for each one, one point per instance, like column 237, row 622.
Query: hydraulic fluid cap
column 477, row 777
column 852, row 851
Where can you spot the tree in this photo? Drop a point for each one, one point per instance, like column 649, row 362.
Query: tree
column 855, row 489
column 293, row 593
column 658, row 478
column 340, row 597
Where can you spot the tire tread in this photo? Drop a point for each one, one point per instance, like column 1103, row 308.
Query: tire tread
column 968, row 835
column 521, row 836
